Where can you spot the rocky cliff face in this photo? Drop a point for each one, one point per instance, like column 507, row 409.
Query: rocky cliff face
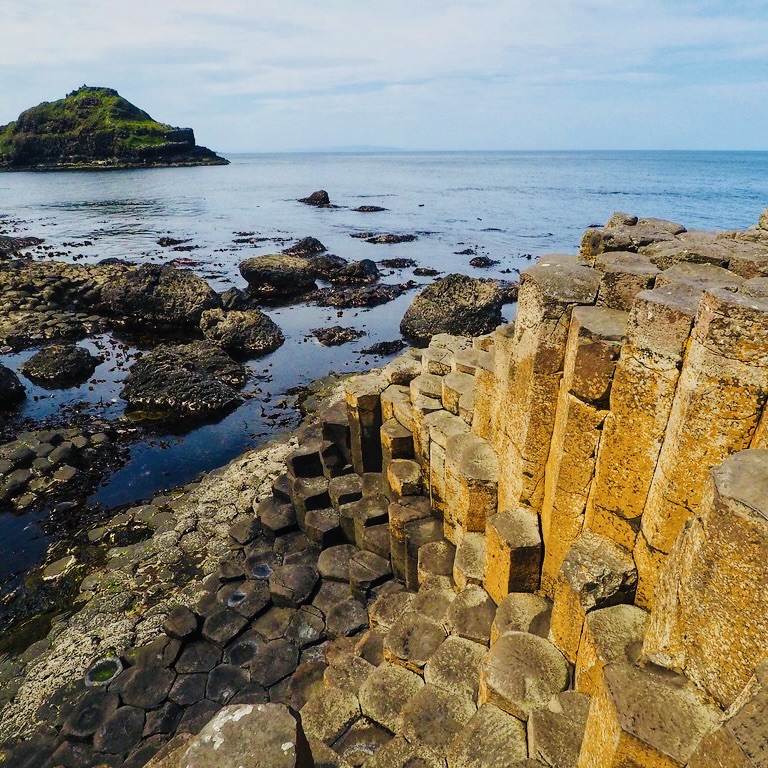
column 95, row 128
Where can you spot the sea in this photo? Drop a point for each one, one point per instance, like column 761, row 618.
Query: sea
column 509, row 206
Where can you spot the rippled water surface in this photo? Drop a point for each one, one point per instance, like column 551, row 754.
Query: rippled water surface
column 509, row 206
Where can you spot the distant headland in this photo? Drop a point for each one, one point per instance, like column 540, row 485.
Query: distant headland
column 96, row 128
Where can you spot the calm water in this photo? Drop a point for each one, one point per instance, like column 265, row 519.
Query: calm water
column 509, row 206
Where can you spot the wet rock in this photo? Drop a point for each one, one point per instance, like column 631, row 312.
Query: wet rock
column 157, row 294
column 391, row 239
column 197, row 716
column 397, row 263
column 361, row 296
column 273, row 662
column 241, row 332
column 307, row 246
column 11, row 245
column 184, row 380
column 482, row 262
column 278, row 275
column 336, row 335
column 222, row 626
column 358, row 272
column 60, row 365
column 319, row 199
column 225, row 682
column 384, row 348
column 90, row 713
column 146, row 687
column 11, row 389
column 328, row 265
column 188, row 689
column 456, row 304
column 369, row 209
column 425, row 272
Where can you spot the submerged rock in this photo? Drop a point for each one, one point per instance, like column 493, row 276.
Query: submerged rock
column 11, row 389
column 319, row 199
column 184, row 380
column 361, row 296
column 60, row 365
column 307, row 246
column 455, row 304
column 358, row 272
column 336, row 335
column 154, row 294
column 247, row 332
column 391, row 239
column 278, row 275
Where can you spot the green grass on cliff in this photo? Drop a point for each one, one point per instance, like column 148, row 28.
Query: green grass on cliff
column 94, row 123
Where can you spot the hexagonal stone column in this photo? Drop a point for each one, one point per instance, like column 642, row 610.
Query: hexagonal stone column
column 594, row 343
column 711, row 613
column 471, row 482
column 556, row 731
column 624, row 276
column 610, row 635
column 521, row 673
column 595, row 574
column 548, row 293
column 386, row 691
column 513, row 553
column 645, row 717
column 401, row 512
column 491, row 739
column 363, row 397
column 440, row 425
column 719, row 399
column 642, row 391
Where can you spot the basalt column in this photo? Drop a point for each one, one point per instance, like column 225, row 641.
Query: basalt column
column 548, row 293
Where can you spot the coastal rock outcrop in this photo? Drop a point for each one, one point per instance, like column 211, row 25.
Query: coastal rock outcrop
column 454, row 304
column 152, row 294
column 278, row 275
column 60, row 365
column 96, row 128
column 319, row 199
column 175, row 381
column 11, row 389
column 247, row 332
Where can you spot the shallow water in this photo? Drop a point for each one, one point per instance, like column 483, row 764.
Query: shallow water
column 509, row 206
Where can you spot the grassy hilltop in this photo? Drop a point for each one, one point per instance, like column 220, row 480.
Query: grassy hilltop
column 96, row 128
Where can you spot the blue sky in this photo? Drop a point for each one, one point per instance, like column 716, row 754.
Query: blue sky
column 416, row 74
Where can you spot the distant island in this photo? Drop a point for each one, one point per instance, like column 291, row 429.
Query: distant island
column 96, row 128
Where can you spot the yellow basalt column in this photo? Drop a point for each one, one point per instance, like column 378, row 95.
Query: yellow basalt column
column 710, row 617
column 548, row 293
column 642, row 393
column 593, row 346
column 718, row 404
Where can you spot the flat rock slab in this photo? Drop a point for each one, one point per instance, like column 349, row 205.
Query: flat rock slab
column 433, row 716
column 180, row 623
column 188, row 689
column 522, row 612
column 346, row 618
column 121, row 732
column 93, row 709
column 328, row 714
column 412, row 640
column 146, row 687
column 292, row 585
column 260, row 736
column 398, row 753
column 455, row 666
column 222, row 626
column 471, row 614
column 225, row 682
column 273, row 662
column 361, row 741
column 349, row 673
column 198, row 656
column 386, row 691
column 555, row 732
column 491, row 739
column 276, row 517
column 307, row 627
column 368, row 570
column 247, row 598
column 385, row 610
column 521, row 673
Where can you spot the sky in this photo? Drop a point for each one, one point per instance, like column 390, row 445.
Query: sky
column 266, row 76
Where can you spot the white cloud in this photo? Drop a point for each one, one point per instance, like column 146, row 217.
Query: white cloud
column 332, row 67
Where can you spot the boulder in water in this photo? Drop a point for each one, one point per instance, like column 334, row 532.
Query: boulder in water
column 246, row 332
column 175, row 381
column 319, row 199
column 455, row 304
column 279, row 274
column 154, row 294
column 11, row 389
column 60, row 365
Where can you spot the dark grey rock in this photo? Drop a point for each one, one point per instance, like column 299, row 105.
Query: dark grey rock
column 455, row 304
column 198, row 656
column 292, row 585
column 60, row 365
column 222, row 626
column 274, row 661
column 89, row 713
column 188, row 689
column 225, row 682
column 12, row 391
column 162, row 720
column 121, row 732
column 197, row 716
column 146, row 687
column 181, row 623
column 247, row 333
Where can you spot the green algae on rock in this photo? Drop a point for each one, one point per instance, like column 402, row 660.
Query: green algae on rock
column 96, row 128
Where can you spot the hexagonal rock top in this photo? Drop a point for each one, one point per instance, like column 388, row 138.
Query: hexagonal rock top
column 521, row 673
column 259, row 736
column 385, row 692
column 434, row 716
column 291, row 585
